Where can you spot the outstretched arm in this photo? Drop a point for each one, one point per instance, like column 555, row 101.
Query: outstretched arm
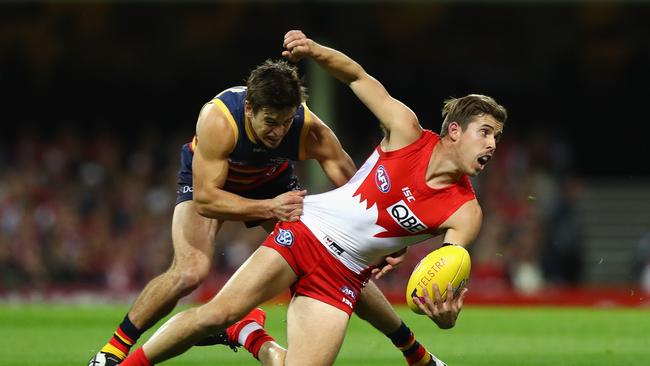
column 398, row 120
column 216, row 141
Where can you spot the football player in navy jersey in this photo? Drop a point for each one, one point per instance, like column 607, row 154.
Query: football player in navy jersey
column 239, row 166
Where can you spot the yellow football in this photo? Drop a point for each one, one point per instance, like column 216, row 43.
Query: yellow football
column 448, row 264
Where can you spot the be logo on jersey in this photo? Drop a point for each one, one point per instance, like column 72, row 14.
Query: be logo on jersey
column 402, row 214
column 284, row 238
column 382, row 180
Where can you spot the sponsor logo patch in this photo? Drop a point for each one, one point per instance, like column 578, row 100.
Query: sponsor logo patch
column 349, row 296
column 408, row 194
column 349, row 292
column 403, row 215
column 331, row 244
column 284, row 237
column 382, row 180
column 185, row 189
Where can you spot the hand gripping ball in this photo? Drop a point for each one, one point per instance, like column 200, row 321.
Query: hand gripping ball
column 450, row 263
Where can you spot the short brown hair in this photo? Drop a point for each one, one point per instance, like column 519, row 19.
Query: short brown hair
column 463, row 110
column 276, row 85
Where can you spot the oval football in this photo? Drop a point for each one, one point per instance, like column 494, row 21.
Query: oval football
column 448, row 264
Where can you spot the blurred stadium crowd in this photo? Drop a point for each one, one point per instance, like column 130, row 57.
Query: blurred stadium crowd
column 95, row 213
column 95, row 112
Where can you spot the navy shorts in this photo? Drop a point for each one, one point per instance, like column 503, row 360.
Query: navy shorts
column 283, row 183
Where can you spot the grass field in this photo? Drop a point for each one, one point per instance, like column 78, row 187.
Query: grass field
column 67, row 335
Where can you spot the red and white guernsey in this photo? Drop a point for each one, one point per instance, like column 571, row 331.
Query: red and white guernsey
column 385, row 207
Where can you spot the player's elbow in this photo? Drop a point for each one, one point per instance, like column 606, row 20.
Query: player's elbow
column 358, row 77
column 339, row 171
column 203, row 206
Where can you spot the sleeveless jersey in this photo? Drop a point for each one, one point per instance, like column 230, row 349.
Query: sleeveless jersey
column 251, row 164
column 385, row 207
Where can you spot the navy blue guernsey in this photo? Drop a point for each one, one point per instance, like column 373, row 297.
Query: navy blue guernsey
column 251, row 165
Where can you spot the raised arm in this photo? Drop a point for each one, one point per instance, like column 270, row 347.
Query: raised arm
column 400, row 124
column 216, row 140
column 321, row 144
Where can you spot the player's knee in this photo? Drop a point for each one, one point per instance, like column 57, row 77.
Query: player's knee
column 188, row 278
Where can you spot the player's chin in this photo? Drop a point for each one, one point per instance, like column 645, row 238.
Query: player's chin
column 475, row 169
column 473, row 172
column 272, row 144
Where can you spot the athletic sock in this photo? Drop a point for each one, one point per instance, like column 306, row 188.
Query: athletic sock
column 252, row 336
column 123, row 339
column 413, row 351
column 138, row 358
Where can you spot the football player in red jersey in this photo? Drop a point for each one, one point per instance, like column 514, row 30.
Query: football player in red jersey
column 239, row 166
column 326, row 256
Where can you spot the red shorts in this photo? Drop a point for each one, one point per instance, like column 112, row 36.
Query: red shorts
column 320, row 275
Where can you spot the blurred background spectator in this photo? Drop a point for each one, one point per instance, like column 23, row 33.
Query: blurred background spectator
column 98, row 98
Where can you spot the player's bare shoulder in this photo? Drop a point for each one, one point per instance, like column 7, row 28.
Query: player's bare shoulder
column 403, row 129
column 214, row 131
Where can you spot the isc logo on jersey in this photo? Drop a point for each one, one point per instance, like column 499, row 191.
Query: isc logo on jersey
column 403, row 215
column 382, row 180
column 284, row 237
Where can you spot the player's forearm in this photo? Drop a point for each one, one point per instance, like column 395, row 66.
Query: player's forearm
column 229, row 206
column 340, row 171
column 337, row 63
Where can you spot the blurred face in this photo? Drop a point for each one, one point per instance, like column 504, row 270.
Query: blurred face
column 477, row 143
column 270, row 125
